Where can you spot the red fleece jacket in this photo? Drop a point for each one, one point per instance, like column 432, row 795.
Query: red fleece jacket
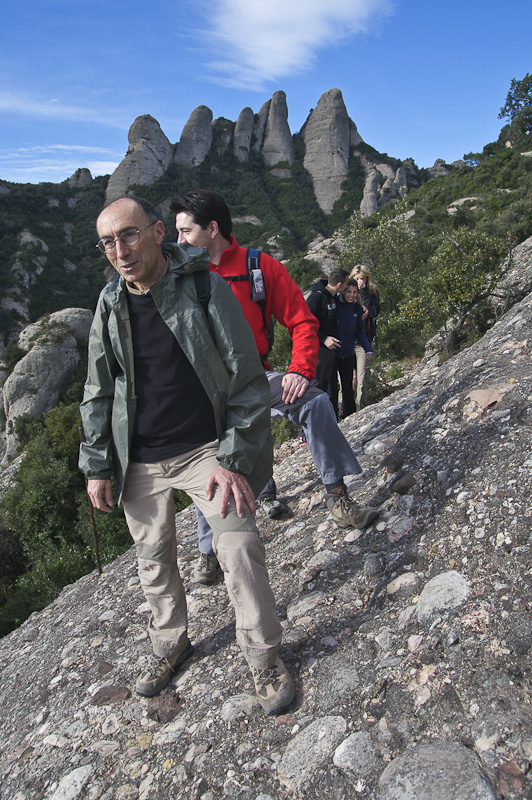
column 284, row 301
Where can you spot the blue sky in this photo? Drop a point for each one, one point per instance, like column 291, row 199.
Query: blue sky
column 420, row 78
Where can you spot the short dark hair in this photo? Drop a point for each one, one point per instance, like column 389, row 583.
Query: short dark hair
column 204, row 206
column 337, row 275
column 145, row 206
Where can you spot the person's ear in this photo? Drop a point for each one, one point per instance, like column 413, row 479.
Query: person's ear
column 159, row 231
column 213, row 229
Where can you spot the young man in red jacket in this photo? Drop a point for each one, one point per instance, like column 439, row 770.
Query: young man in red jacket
column 204, row 220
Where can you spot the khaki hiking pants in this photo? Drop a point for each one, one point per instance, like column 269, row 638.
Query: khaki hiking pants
column 150, row 514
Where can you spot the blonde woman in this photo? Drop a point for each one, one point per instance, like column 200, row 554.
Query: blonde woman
column 369, row 298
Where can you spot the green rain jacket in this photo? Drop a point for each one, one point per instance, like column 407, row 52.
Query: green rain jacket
column 221, row 348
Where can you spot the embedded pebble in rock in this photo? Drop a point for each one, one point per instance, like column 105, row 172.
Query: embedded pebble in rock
column 305, row 604
column 356, row 755
column 435, row 772
column 519, row 636
column 72, row 785
column 309, row 750
column 404, row 586
column 237, row 705
column 337, row 678
column 442, row 593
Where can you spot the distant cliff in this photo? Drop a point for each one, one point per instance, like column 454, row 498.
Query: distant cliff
column 330, row 142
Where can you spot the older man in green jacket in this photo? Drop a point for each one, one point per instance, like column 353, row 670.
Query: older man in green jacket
column 176, row 398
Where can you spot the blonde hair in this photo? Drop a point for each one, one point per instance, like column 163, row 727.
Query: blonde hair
column 361, row 269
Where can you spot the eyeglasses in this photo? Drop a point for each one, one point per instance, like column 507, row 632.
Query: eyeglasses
column 128, row 238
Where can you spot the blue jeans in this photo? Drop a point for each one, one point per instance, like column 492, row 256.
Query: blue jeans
column 333, row 455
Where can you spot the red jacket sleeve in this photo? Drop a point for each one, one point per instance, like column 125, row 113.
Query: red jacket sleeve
column 286, row 303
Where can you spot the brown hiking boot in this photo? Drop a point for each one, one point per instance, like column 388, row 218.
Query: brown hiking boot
column 159, row 672
column 274, row 686
column 346, row 513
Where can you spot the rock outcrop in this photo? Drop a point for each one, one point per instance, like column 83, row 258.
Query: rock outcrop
column 243, row 134
column 52, row 348
column 410, row 642
column 28, row 263
column 327, row 136
column 81, row 177
column 196, row 138
column 148, row 156
column 260, row 126
column 277, row 145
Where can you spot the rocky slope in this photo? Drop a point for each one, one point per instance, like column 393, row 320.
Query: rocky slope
column 410, row 642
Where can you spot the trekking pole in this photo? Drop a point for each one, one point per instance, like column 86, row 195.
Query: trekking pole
column 91, row 514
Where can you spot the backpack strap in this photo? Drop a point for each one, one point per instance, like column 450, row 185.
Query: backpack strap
column 257, row 293
column 202, row 281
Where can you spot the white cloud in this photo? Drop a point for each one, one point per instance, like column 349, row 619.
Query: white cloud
column 259, row 42
column 55, row 163
column 25, row 105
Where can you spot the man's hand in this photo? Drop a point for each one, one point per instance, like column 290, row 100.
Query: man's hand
column 354, row 379
column 294, row 387
column 332, row 342
column 100, row 495
column 365, row 312
column 231, row 483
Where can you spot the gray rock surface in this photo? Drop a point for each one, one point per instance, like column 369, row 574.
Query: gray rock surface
column 243, row 133
column 260, row 125
column 277, row 145
column 435, row 772
column 81, row 177
column 196, row 138
column 29, row 261
column 442, row 593
column 34, row 385
column 383, row 702
column 327, row 134
column 148, row 156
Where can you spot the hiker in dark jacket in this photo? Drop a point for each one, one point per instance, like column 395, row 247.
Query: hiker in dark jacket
column 369, row 297
column 322, row 303
column 351, row 324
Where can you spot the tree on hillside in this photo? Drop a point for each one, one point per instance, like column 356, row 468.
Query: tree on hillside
column 465, row 271
column 518, row 110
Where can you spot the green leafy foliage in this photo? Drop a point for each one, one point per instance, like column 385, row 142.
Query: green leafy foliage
column 518, row 110
column 46, row 513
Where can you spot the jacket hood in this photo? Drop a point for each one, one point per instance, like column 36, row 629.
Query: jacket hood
column 320, row 285
column 183, row 259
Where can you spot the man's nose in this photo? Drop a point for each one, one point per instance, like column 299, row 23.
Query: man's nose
column 180, row 238
column 121, row 248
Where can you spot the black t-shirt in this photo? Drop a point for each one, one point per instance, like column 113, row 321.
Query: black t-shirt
column 174, row 413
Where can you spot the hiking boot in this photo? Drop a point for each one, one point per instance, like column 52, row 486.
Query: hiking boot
column 274, row 686
column 273, row 508
column 158, row 673
column 345, row 511
column 206, row 569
